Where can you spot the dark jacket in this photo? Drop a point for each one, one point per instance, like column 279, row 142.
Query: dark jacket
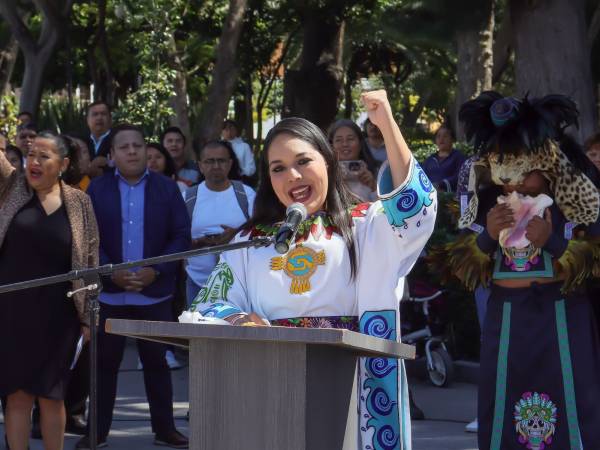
column 104, row 149
column 444, row 172
column 167, row 227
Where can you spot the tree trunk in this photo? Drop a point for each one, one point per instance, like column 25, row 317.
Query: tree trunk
column 225, row 74
column 475, row 60
column 348, row 100
column 503, row 47
column 248, row 105
column 33, row 78
column 179, row 102
column 8, row 58
column 37, row 54
column 552, row 55
column 313, row 91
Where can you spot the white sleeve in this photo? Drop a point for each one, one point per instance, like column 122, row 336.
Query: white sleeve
column 251, row 195
column 248, row 164
column 392, row 232
column 224, row 293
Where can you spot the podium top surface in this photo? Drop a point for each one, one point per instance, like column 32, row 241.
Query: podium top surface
column 181, row 333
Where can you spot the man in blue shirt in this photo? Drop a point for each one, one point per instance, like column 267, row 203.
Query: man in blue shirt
column 140, row 214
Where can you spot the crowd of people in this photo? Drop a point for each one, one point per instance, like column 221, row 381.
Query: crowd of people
column 113, row 196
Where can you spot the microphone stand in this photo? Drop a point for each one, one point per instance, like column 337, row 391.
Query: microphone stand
column 93, row 284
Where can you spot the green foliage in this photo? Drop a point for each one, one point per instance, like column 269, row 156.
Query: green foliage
column 58, row 114
column 8, row 116
column 460, row 315
column 156, row 20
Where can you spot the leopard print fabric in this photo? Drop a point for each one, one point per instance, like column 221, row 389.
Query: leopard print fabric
column 574, row 193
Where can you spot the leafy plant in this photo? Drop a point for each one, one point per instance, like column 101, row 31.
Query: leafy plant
column 8, row 116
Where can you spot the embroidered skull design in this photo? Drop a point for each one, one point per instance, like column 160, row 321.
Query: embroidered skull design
column 535, row 420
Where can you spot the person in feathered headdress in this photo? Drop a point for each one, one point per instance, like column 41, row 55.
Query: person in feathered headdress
column 534, row 205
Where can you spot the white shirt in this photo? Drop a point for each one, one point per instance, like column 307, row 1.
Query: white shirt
column 213, row 209
column 245, row 157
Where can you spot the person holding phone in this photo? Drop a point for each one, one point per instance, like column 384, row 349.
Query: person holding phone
column 356, row 162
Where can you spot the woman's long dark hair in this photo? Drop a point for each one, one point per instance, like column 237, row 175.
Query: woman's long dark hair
column 365, row 153
column 267, row 207
column 72, row 176
column 170, row 170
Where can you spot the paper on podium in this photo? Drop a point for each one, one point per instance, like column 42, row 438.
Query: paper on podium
column 196, row 317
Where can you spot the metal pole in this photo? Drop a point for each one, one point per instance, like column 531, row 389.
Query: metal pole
column 91, row 278
column 94, row 314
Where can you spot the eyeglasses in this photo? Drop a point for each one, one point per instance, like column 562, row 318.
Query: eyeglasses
column 217, row 161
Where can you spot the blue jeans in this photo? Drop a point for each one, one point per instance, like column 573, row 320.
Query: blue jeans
column 191, row 291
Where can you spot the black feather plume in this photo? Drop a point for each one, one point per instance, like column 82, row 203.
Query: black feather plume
column 508, row 125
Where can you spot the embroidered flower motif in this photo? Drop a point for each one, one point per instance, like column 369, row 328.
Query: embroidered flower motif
column 339, row 322
column 305, row 322
column 315, row 225
column 360, row 210
column 321, row 322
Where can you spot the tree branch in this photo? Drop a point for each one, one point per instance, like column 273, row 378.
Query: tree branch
column 8, row 10
column 503, row 47
column 594, row 27
column 266, row 88
column 49, row 12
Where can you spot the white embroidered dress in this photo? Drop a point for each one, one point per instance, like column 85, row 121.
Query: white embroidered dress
column 313, row 281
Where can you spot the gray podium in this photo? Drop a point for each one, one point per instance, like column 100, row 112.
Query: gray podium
column 268, row 388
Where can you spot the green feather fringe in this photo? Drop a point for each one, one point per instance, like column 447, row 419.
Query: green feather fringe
column 462, row 259
column 579, row 262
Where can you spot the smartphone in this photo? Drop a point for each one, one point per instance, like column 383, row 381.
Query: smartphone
column 353, row 166
column 350, row 169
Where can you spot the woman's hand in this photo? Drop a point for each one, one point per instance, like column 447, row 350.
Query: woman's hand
column 247, row 320
column 366, row 177
column 97, row 166
column 215, row 239
column 538, row 230
column 378, row 108
column 499, row 218
column 380, row 113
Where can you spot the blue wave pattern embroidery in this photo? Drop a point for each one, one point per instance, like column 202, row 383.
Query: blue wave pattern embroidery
column 413, row 199
column 382, row 382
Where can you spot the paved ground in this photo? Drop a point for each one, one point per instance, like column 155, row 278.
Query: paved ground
column 447, row 412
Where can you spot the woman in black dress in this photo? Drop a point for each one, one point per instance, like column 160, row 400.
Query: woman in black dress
column 43, row 232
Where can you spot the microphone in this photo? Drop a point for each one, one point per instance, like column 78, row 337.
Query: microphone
column 294, row 214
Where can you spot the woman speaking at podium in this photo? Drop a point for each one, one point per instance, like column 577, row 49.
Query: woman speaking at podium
column 346, row 266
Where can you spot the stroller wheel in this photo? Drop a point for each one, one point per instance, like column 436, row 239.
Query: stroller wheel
column 442, row 372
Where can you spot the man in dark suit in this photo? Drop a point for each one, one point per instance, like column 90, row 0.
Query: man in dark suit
column 140, row 214
column 99, row 121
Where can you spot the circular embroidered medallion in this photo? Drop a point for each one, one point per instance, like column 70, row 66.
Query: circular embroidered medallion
column 299, row 264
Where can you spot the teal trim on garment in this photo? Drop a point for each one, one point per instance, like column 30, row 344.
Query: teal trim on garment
column 567, row 375
column 547, row 272
column 404, row 410
column 409, row 200
column 381, row 381
column 501, row 375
